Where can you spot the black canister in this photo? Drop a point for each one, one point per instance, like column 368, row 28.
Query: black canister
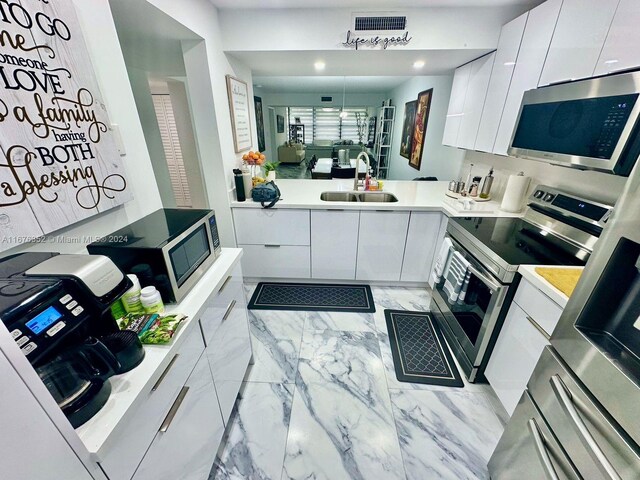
column 240, row 193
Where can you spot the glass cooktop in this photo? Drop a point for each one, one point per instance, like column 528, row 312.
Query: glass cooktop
column 517, row 242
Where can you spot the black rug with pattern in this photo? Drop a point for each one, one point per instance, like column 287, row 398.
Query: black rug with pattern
column 420, row 354
column 317, row 297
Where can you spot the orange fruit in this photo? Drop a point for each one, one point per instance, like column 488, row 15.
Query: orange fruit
column 262, row 157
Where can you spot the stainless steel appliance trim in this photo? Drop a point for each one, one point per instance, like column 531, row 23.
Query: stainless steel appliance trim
column 194, row 276
column 493, row 286
column 174, row 410
column 228, row 311
column 537, row 326
column 226, row 282
column 164, row 373
column 583, row 241
column 564, row 396
column 543, row 455
column 622, row 84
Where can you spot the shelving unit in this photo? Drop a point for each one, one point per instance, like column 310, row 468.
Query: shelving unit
column 371, row 134
column 384, row 138
column 296, row 132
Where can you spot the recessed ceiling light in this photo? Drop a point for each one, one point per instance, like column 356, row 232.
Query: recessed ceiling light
column 319, row 65
column 418, row 64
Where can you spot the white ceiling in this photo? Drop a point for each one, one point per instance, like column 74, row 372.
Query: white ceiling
column 328, row 84
column 368, row 4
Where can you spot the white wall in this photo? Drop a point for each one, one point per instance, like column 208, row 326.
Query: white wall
column 437, row 160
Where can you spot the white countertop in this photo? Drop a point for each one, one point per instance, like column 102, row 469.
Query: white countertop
column 97, row 433
column 412, row 195
column 529, row 273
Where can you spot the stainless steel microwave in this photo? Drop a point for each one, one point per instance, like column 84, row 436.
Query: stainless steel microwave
column 171, row 248
column 588, row 124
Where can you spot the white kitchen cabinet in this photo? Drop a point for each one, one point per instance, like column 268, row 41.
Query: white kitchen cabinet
column 186, row 443
column 334, row 244
column 420, row 248
column 531, row 57
column 503, row 67
column 578, row 40
column 381, row 245
column 276, row 261
column 621, row 50
column 261, row 226
column 455, row 111
column 474, row 100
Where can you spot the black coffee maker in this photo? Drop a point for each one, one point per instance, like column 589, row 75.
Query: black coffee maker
column 57, row 309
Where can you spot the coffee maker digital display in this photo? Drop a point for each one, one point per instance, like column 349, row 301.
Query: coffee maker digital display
column 43, row 320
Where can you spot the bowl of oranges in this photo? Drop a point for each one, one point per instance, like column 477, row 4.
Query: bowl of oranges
column 254, row 160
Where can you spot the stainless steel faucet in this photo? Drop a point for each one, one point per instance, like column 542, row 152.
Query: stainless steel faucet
column 355, row 182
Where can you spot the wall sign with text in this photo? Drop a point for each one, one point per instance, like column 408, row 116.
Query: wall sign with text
column 59, row 163
column 238, row 93
column 356, row 42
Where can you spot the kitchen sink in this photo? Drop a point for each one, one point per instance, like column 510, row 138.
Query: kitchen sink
column 379, row 197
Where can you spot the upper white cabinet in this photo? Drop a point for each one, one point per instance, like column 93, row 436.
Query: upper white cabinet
column 456, row 105
column 533, row 50
column 420, row 249
column 479, row 76
column 335, row 244
column 621, row 50
column 578, row 40
column 505, row 61
column 381, row 245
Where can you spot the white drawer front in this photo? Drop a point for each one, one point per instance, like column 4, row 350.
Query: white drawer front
column 121, row 461
column 276, row 262
column 538, row 306
column 193, row 430
column 231, row 289
column 272, row 227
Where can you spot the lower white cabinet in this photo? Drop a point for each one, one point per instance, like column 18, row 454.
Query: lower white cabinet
column 334, row 244
column 381, row 245
column 188, row 439
column 420, row 248
column 276, row 261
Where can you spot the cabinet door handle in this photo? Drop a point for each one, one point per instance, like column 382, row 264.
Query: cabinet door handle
column 563, row 394
column 229, row 308
column 225, row 283
column 174, row 409
column 543, row 454
column 538, row 327
column 164, row 374
column 272, row 246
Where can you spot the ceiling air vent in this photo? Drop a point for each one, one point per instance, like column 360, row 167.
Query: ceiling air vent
column 327, row 99
column 378, row 23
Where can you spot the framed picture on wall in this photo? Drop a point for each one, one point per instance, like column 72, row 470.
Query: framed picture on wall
column 407, row 128
column 423, row 108
column 259, row 123
column 280, row 123
column 240, row 114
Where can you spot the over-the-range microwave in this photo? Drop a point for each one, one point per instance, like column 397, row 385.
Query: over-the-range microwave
column 588, row 124
column 177, row 244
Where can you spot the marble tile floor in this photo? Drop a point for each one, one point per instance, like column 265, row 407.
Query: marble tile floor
column 322, row 402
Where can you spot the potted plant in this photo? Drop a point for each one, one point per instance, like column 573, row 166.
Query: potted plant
column 270, row 170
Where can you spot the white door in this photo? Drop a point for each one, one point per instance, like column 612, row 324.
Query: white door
column 420, row 248
column 334, row 244
column 381, row 245
column 578, row 39
column 474, row 100
column 621, row 50
column 456, row 105
column 533, row 50
column 503, row 67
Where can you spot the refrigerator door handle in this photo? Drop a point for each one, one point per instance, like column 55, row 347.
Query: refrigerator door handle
column 564, row 397
column 543, row 454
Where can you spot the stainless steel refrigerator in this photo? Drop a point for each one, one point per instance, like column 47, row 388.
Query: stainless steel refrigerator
column 580, row 415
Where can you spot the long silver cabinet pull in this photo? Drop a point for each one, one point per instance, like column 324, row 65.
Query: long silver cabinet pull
column 229, row 308
column 272, row 246
column 564, row 397
column 164, row 374
column 174, row 409
column 538, row 327
column 225, row 283
column 541, row 449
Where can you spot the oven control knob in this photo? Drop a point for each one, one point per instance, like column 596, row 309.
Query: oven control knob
column 538, row 194
column 548, row 197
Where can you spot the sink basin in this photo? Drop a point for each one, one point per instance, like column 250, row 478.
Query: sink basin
column 379, row 197
column 338, row 197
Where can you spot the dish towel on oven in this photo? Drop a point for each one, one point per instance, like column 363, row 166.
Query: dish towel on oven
column 457, row 278
column 440, row 266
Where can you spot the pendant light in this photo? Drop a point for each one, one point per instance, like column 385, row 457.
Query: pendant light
column 343, row 114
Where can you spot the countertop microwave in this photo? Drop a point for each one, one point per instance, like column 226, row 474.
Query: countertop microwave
column 177, row 244
column 588, row 124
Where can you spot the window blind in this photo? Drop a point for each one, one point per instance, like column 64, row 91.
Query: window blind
column 172, row 151
column 305, row 114
column 324, row 123
column 349, row 124
column 327, row 124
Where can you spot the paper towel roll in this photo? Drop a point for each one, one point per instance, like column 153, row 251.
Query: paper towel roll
column 514, row 194
column 248, row 183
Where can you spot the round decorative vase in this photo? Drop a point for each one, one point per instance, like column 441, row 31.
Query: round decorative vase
column 271, row 176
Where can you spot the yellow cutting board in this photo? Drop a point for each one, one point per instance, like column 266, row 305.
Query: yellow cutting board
column 564, row 279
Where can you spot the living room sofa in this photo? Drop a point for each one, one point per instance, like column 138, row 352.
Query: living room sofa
column 294, row 153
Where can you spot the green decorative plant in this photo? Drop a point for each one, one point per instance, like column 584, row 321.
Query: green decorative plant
column 269, row 167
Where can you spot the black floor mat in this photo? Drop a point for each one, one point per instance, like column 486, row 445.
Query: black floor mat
column 313, row 297
column 420, row 354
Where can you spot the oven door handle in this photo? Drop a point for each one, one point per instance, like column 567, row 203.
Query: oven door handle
column 494, row 286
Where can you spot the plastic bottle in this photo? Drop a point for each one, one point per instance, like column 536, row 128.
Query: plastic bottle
column 151, row 301
column 131, row 298
column 117, row 310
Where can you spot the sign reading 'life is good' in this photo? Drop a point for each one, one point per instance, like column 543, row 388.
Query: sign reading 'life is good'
column 59, row 163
